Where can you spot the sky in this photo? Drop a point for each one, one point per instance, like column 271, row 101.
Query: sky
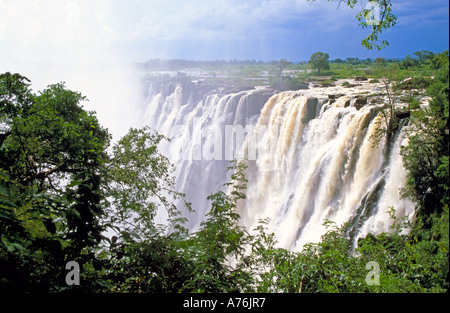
column 138, row 30
column 89, row 44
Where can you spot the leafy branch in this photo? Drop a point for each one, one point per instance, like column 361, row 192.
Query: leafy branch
column 378, row 24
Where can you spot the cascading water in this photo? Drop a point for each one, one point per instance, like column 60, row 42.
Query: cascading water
column 323, row 168
column 309, row 158
column 195, row 120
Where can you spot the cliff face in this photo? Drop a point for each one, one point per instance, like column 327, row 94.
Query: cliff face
column 310, row 155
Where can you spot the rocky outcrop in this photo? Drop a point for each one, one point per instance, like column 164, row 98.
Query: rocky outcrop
column 359, row 102
column 332, row 97
column 400, row 115
column 312, row 105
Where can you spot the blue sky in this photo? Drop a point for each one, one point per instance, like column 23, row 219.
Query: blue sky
column 137, row 30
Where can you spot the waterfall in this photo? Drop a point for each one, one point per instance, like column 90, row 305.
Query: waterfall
column 196, row 120
column 309, row 152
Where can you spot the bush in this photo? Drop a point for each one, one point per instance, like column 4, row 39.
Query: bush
column 418, row 82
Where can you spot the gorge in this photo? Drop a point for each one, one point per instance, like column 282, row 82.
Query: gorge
column 309, row 153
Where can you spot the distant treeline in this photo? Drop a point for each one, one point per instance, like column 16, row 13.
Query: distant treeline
column 177, row 64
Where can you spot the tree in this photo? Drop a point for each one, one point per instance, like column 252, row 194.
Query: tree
column 320, row 267
column 220, row 240
column 60, row 190
column 391, row 112
column 353, row 60
column 139, row 181
column 408, row 62
column 439, row 60
column 426, row 156
column 280, row 67
column 149, row 259
column 426, row 159
column 319, row 61
column 380, row 61
column 424, row 56
column 377, row 15
column 52, row 158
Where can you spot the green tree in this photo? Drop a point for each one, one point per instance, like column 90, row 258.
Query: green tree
column 353, row 60
column 408, row 62
column 280, row 67
column 139, row 181
column 146, row 258
column 52, row 156
column 406, row 263
column 389, row 124
column 426, row 156
column 326, row 266
column 143, row 256
column 319, row 61
column 426, row 159
column 424, row 56
column 60, row 191
column 380, row 61
column 377, row 15
column 221, row 240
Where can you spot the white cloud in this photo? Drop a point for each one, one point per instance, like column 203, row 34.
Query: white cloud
column 160, row 27
column 86, row 30
column 51, row 41
column 415, row 13
column 108, row 30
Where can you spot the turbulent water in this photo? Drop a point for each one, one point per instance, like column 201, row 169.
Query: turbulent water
column 310, row 156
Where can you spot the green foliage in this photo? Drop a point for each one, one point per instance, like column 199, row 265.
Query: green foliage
column 417, row 82
column 377, row 24
column 332, row 265
column 52, row 159
column 426, row 160
column 408, row 62
column 220, row 241
column 139, row 181
column 389, row 124
column 286, row 83
column 426, row 156
column 424, row 56
column 408, row 264
column 319, row 61
column 319, row 267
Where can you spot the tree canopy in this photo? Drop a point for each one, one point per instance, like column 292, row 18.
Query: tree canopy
column 319, row 61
